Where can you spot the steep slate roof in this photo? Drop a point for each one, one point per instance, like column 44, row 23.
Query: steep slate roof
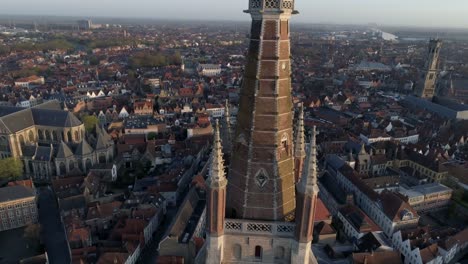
column 83, row 148
column 43, row 153
column 64, row 151
column 17, row 121
column 12, row 193
column 14, row 119
column 102, row 138
column 50, row 117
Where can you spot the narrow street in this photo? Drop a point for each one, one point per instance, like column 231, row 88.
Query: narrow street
column 52, row 228
column 150, row 253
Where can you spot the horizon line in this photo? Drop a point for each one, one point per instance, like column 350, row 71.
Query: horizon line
column 367, row 24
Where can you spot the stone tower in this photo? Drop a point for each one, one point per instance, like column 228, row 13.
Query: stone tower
column 262, row 223
column 432, row 64
column 261, row 175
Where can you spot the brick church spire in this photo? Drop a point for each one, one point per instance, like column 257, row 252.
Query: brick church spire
column 261, row 188
column 216, row 202
column 306, row 202
column 261, row 174
column 308, row 182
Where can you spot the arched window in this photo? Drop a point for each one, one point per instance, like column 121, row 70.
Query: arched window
column 258, row 252
column 69, row 136
column 237, row 252
column 21, row 140
column 31, row 136
column 47, row 135
column 279, row 253
column 41, row 134
column 77, row 136
column 62, row 168
column 54, row 135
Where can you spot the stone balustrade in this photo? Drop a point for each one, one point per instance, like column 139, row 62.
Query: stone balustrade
column 271, row 4
column 281, row 229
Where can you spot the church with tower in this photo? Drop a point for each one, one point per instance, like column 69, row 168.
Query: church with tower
column 261, row 207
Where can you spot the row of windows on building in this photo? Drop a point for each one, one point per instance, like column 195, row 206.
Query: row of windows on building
column 13, row 222
column 17, row 205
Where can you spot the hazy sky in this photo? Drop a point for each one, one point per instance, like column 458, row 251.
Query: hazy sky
column 431, row 13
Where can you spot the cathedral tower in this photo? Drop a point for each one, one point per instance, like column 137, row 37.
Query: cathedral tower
column 262, row 223
column 432, row 64
column 261, row 176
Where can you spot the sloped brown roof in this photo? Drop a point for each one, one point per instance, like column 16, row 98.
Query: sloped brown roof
column 429, row 253
column 392, row 257
column 323, row 228
column 358, row 219
column 394, row 206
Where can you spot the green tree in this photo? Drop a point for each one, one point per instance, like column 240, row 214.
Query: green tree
column 11, row 168
column 90, row 122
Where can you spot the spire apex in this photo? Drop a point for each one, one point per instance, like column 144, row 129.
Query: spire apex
column 308, row 182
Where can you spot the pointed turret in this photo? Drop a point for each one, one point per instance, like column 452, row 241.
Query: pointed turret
column 216, row 202
column 308, row 182
column 306, row 202
column 217, row 175
column 299, row 146
column 364, row 159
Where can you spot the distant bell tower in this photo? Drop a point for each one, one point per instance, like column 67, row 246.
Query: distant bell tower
column 432, row 65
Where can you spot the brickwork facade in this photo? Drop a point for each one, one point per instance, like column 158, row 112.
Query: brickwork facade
column 261, row 180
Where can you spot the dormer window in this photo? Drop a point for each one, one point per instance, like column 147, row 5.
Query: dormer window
column 406, row 215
